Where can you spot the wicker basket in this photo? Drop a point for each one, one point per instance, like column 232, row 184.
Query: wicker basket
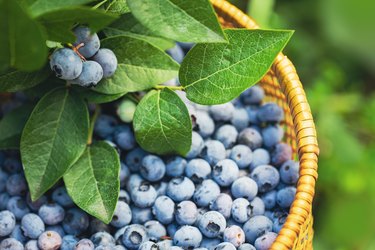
column 283, row 86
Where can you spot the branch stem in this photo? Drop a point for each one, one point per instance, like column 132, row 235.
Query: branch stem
column 92, row 124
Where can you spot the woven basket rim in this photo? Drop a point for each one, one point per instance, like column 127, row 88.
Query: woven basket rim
column 304, row 128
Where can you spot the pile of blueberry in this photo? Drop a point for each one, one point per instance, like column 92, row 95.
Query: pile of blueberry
column 70, row 63
column 232, row 191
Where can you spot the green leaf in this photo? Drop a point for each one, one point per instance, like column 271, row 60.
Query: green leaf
column 130, row 26
column 11, row 126
column 59, row 23
column 22, row 41
column 141, row 66
column 180, row 20
column 16, row 80
column 96, row 97
column 162, row 123
column 117, row 6
column 93, row 181
column 42, row 6
column 218, row 73
column 53, row 139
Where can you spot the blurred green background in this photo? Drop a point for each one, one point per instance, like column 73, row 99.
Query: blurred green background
column 333, row 50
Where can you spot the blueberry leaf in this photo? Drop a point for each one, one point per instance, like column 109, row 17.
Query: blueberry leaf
column 53, row 139
column 185, row 21
column 141, row 66
column 22, row 41
column 218, row 73
column 59, row 23
column 96, row 97
column 42, row 6
column 130, row 26
column 11, row 126
column 93, row 181
column 162, row 123
column 15, row 80
column 117, row 6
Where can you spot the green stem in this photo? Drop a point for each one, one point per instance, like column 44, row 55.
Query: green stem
column 109, row 5
column 92, row 124
column 99, row 4
column 132, row 97
column 169, row 87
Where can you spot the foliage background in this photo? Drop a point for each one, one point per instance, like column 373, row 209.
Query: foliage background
column 333, row 49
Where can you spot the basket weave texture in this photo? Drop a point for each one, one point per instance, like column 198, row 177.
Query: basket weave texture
column 282, row 85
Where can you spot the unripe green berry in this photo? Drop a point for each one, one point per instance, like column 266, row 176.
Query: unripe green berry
column 126, row 109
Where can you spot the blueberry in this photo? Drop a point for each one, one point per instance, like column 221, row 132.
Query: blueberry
column 7, row 223
column 122, row 215
column 198, row 170
column 155, row 230
column 241, row 210
column 18, row 207
column 152, row 168
column 163, row 209
column 118, row 235
column 187, row 237
column 175, row 166
column 165, row 244
column 51, row 213
column 186, row 213
column 269, row 199
column 91, row 74
column 11, row 244
column 49, row 240
column 35, row 205
column 289, row 172
column 19, row 235
column 265, row 241
column 68, row 242
column 105, row 126
column 124, row 174
column 32, row 245
column 124, row 137
column 148, row 245
column 242, row 155
column 66, row 64
column 102, row 238
column 84, row 244
column 227, row 134
column 135, row 180
column 222, row 204
column 210, row 243
column 176, row 53
column 161, row 188
column 285, row 196
column 256, row 227
column 61, row 196
column 203, row 124
column 260, row 157
column 253, row 95
column 175, row 248
column 75, row 222
column 240, row 119
column 225, row 246
column 244, row 187
column 126, row 110
column 144, row 195
column 141, row 215
column 134, row 236
column 251, row 138
column 3, row 180
column 32, row 226
column 213, row 151
column 246, row 246
column 266, row 176
column 196, row 147
column 107, row 59
column 206, row 192
column 57, row 228
column 222, row 112
column 270, row 113
column 180, row 188
column 4, row 198
column 172, row 228
column 134, row 159
column 225, row 172
column 257, row 206
column 12, row 165
column 212, row 224
column 98, row 226
column 235, row 235
column 16, row 185
column 91, row 41
column 272, row 135
column 278, row 222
